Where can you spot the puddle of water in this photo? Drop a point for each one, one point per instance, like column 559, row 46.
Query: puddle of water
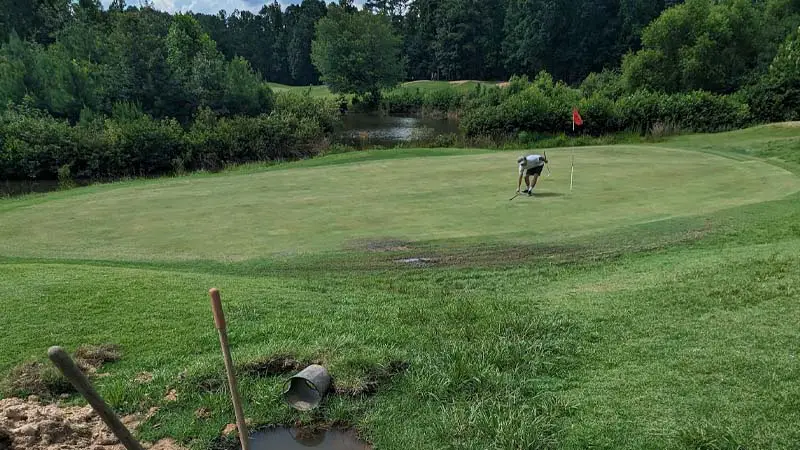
column 293, row 438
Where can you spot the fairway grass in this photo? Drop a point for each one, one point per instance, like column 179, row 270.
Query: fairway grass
column 654, row 306
column 422, row 85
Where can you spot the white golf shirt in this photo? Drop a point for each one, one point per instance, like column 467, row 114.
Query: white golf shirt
column 530, row 162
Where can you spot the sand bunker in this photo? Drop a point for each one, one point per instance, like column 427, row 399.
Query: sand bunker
column 30, row 425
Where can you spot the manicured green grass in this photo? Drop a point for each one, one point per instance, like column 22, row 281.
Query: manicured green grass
column 650, row 308
column 314, row 91
column 331, row 208
column 427, row 85
column 323, row 91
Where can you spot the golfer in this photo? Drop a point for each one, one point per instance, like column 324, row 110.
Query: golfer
column 530, row 166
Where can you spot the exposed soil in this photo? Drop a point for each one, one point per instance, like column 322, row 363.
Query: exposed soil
column 274, row 365
column 91, row 357
column 30, row 425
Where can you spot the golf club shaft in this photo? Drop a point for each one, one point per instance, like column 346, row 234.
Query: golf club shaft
column 71, row 372
column 219, row 323
column 572, row 171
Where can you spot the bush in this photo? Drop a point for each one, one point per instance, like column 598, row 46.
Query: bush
column 608, row 84
column 213, row 143
column 696, row 111
column 417, row 101
column 324, row 111
column 772, row 101
column 545, row 107
column 33, row 145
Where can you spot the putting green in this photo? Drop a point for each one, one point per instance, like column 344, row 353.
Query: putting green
column 243, row 216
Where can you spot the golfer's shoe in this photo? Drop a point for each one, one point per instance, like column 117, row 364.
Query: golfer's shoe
column 529, row 193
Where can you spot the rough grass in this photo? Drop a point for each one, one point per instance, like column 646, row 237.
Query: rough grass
column 661, row 319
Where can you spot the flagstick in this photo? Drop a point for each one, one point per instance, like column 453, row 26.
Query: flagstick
column 572, row 171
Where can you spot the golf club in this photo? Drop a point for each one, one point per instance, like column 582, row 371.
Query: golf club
column 515, row 196
column 547, row 165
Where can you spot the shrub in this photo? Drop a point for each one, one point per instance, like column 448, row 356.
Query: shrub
column 324, row 111
column 545, row 107
column 33, row 145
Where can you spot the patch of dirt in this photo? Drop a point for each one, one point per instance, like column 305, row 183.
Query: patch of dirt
column 90, row 358
column 504, row 84
column 165, row 444
column 172, row 396
column 202, row 413
column 374, row 380
column 274, row 365
column 143, row 378
column 229, row 429
column 33, row 426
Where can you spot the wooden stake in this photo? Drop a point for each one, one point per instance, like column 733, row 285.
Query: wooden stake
column 219, row 323
column 67, row 366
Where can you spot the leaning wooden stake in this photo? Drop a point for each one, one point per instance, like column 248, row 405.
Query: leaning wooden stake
column 67, row 366
column 219, row 323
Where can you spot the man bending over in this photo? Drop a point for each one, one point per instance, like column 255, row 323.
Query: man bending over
column 530, row 166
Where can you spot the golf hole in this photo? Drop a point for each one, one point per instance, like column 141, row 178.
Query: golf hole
column 299, row 438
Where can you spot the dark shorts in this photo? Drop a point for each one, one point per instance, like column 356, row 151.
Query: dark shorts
column 534, row 171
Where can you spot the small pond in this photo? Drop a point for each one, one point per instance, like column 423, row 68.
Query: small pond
column 391, row 130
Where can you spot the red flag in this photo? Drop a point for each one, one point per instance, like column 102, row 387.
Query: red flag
column 576, row 117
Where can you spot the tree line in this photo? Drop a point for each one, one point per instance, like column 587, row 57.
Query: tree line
column 707, row 44
column 449, row 39
column 441, row 39
column 130, row 90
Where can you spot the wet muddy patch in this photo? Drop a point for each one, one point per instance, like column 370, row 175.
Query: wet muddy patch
column 291, row 438
column 299, row 438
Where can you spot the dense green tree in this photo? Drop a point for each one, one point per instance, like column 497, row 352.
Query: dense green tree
column 419, row 35
column 36, row 20
column 300, row 22
column 699, row 45
column 357, row 52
